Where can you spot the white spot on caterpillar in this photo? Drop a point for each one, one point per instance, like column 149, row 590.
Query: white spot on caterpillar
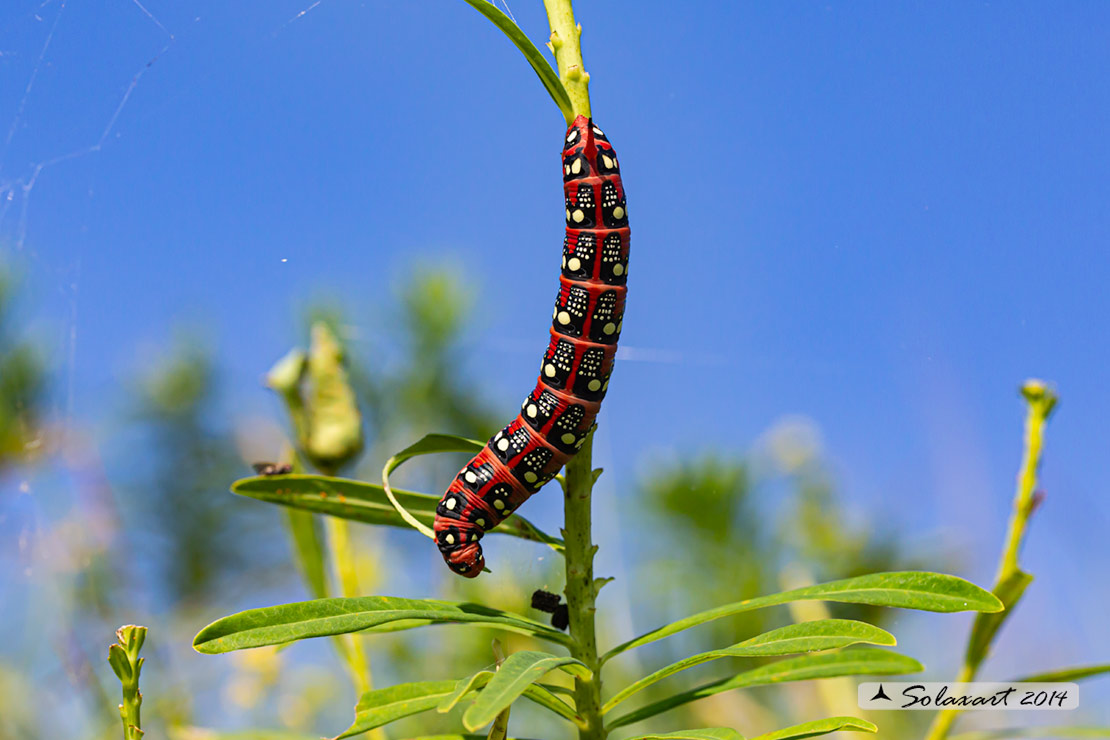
column 574, row 263
column 503, row 444
column 598, row 131
column 470, row 477
column 618, row 212
column 563, row 317
column 594, row 384
column 578, row 215
column 449, row 539
column 607, row 161
column 549, row 370
column 576, row 167
column 566, row 169
column 531, row 410
column 450, row 504
column 568, row 214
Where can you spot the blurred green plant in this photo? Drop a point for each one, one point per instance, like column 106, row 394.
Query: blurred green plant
column 124, row 658
column 22, row 381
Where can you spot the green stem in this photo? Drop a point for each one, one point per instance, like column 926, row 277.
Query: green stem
column 126, row 664
column 565, row 34
column 1011, row 581
column 580, row 590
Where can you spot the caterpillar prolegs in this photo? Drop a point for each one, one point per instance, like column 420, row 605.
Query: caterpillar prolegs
column 574, row 375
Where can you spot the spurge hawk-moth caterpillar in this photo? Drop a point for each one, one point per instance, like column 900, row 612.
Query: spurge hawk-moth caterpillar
column 574, row 375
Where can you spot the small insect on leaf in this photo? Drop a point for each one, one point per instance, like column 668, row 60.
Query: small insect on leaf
column 270, row 468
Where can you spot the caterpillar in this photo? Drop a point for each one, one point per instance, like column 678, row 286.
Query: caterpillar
column 574, row 375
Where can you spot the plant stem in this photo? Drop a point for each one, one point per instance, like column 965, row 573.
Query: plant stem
column 1011, row 581
column 126, row 664
column 565, row 44
column 580, row 590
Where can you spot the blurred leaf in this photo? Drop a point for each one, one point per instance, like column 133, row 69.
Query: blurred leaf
column 366, row 503
column 382, row 706
column 197, row 733
column 986, row 626
column 121, row 666
column 706, row 733
column 820, row 727
column 548, row 76
column 824, row 634
column 907, row 590
column 1051, row 732
column 519, row 671
column 462, row 688
column 274, row 625
column 1066, row 675
column 864, row 661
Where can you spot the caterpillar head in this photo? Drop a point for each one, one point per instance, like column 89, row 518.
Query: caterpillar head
column 467, row 560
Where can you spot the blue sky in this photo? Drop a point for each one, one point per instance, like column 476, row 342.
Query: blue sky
column 883, row 216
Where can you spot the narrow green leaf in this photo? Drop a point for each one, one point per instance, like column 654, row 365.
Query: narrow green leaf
column 1066, row 675
column 907, row 590
column 431, row 444
column 366, row 502
column 986, row 626
column 382, row 706
column 519, row 671
column 864, row 661
column 706, row 733
column 462, row 688
column 273, row 625
column 547, row 75
column 820, row 727
column 542, row 695
column 121, row 666
column 1059, row 733
column 807, row 637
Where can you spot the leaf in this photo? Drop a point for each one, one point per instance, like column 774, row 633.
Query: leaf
column 382, row 706
column 986, row 626
column 273, row 625
column 547, row 75
column 1052, row 732
column 365, row 502
column 542, row 695
column 907, row 590
column 519, row 671
column 706, row 733
column 822, row 634
column 121, row 666
column 462, row 688
column 864, row 661
column 820, row 727
column 1066, row 675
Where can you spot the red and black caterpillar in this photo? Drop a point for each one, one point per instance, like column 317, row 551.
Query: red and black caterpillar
column 574, row 375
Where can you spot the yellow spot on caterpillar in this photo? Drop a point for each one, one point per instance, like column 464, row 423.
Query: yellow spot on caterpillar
column 594, row 384
column 618, row 269
column 618, row 212
column 567, row 438
column 530, row 477
column 578, row 216
column 574, row 263
column 549, row 370
column 609, row 328
column 563, row 317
